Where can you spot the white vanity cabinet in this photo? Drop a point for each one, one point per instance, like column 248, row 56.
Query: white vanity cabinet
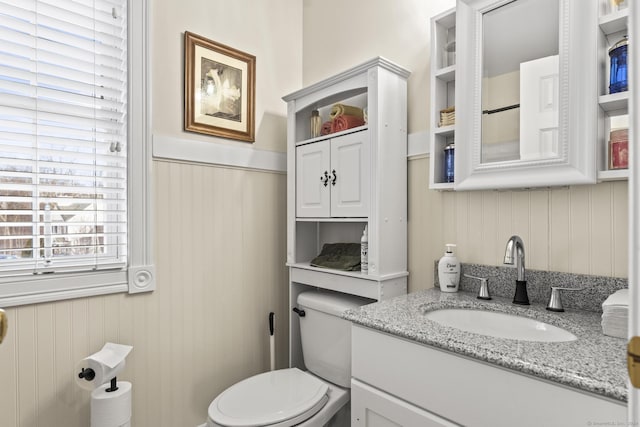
column 396, row 381
column 332, row 177
column 342, row 182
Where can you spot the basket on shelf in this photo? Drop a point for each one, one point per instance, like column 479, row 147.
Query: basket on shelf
column 447, row 117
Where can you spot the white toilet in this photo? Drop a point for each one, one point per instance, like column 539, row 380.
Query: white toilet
column 291, row 397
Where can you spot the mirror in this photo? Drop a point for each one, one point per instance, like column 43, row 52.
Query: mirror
column 520, row 81
column 526, row 93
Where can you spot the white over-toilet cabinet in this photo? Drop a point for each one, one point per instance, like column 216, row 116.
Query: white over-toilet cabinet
column 341, row 182
column 342, row 166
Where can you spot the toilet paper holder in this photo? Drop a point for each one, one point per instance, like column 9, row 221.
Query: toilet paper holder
column 110, row 399
column 102, row 367
column 89, row 374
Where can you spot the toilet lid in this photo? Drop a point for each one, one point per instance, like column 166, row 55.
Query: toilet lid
column 269, row 398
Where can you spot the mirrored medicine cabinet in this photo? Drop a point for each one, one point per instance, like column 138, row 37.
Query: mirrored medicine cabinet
column 526, row 93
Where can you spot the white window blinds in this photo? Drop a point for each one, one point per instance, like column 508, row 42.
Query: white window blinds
column 63, row 134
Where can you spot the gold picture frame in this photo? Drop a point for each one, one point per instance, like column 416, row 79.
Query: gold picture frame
column 219, row 89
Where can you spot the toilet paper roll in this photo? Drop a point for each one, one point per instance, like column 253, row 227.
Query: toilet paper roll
column 105, row 364
column 111, row 409
column 103, row 373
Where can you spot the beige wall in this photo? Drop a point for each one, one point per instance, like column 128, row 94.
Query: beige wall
column 363, row 29
column 220, row 250
column 271, row 31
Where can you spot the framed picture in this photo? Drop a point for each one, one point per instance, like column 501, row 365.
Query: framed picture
column 219, row 89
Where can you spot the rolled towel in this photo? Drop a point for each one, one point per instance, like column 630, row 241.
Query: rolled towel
column 327, row 128
column 339, row 256
column 345, row 121
column 340, row 109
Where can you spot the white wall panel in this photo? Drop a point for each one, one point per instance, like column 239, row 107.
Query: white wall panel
column 559, row 230
column 538, row 247
column 579, row 248
column 620, row 206
column 489, row 228
column 475, row 226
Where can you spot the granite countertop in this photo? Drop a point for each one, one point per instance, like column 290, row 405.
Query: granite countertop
column 594, row 362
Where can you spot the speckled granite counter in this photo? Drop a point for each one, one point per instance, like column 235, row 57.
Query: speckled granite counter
column 594, row 362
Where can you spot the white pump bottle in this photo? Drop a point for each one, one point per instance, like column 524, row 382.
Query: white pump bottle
column 449, row 270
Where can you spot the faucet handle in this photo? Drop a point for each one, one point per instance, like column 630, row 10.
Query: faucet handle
column 483, row 293
column 555, row 302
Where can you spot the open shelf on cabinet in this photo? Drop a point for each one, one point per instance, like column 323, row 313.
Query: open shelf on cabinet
column 613, row 175
column 314, row 233
column 354, row 274
column 445, row 131
column 352, row 282
column 443, row 35
column 333, row 219
column 614, row 107
column 333, row 135
column 614, row 102
column 443, row 90
column 614, row 22
column 446, row 74
column 357, row 97
column 612, row 120
column 442, row 186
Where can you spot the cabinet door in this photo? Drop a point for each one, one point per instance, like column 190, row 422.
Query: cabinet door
column 313, row 180
column 350, row 180
column 371, row 407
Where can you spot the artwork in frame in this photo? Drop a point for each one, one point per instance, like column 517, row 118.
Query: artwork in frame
column 219, row 89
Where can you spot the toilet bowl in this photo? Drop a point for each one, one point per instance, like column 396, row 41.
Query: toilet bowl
column 282, row 398
column 292, row 397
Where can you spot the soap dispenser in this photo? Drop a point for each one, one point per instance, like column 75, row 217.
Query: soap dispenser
column 449, row 270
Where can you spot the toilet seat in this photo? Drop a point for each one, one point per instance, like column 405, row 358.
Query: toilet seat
column 284, row 397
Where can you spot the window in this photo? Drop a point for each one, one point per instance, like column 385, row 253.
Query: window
column 69, row 146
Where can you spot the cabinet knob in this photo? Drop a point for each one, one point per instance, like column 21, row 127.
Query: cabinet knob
column 325, row 178
column 335, row 177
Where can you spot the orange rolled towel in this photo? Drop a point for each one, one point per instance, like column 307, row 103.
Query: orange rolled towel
column 344, row 122
column 342, row 109
column 327, row 128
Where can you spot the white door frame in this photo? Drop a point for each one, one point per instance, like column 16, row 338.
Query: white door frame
column 634, row 194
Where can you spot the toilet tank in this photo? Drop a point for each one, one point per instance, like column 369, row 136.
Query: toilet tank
column 325, row 336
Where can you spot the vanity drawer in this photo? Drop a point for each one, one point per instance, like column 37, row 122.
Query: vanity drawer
column 468, row 391
column 371, row 407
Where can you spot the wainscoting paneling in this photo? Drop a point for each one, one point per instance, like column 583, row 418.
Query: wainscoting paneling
column 580, row 229
column 220, row 255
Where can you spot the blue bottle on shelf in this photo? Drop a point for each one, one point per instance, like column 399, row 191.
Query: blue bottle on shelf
column 618, row 72
column 449, row 161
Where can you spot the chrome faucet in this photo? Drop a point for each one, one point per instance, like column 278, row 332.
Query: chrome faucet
column 515, row 249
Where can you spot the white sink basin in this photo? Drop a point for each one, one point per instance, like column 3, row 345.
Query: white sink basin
column 499, row 325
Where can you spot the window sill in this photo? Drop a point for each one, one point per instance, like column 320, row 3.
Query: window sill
column 23, row 290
